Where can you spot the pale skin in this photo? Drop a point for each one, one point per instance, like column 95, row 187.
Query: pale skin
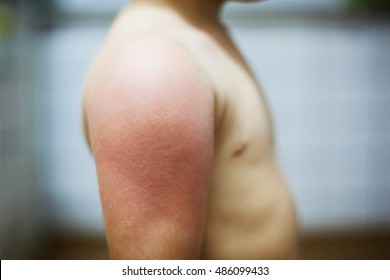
column 183, row 142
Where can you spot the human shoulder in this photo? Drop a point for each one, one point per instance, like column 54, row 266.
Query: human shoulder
column 151, row 83
column 147, row 60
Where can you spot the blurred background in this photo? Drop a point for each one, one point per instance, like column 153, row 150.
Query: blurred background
column 325, row 67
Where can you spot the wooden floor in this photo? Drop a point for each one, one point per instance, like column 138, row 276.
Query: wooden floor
column 315, row 247
column 346, row 247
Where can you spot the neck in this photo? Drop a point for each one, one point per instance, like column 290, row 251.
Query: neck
column 194, row 11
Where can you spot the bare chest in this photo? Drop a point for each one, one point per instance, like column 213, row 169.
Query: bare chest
column 242, row 118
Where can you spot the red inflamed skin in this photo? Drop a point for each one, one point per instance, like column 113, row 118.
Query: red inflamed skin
column 150, row 118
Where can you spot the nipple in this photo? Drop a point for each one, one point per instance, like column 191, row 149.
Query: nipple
column 239, row 149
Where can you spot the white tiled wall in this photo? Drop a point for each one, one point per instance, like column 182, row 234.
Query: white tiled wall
column 71, row 180
column 328, row 85
column 20, row 213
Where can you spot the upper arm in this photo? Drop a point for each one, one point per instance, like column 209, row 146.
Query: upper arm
column 151, row 131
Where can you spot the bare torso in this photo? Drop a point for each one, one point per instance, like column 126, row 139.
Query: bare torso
column 250, row 214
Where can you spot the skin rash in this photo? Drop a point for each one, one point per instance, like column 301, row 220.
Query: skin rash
column 153, row 153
